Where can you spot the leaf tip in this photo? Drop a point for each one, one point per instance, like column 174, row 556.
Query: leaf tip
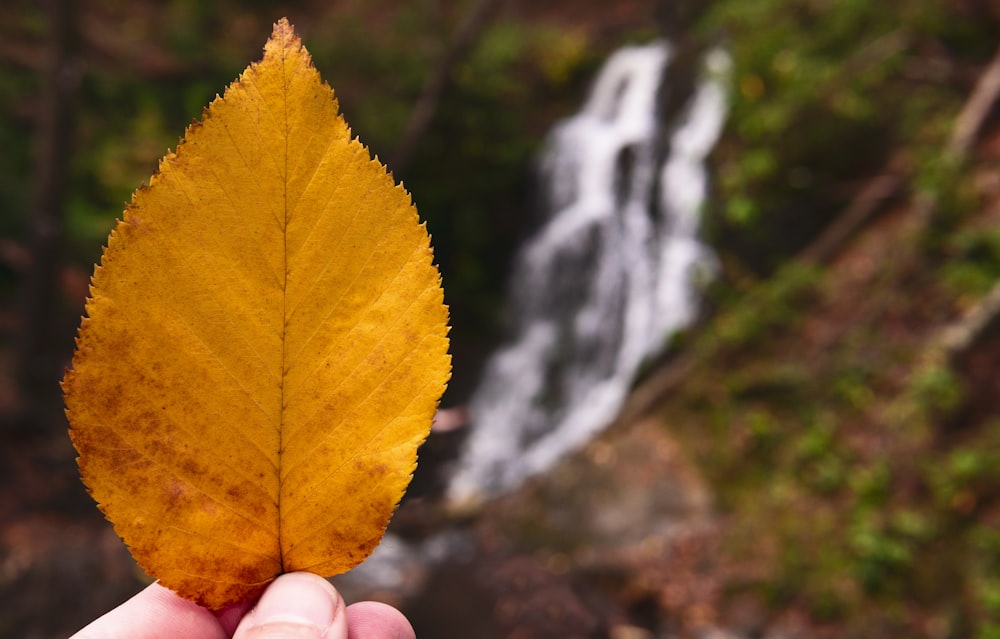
column 283, row 37
column 282, row 27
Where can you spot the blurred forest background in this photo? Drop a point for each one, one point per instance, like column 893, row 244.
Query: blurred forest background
column 827, row 438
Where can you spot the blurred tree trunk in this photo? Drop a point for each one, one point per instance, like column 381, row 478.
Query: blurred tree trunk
column 38, row 351
column 678, row 17
column 437, row 82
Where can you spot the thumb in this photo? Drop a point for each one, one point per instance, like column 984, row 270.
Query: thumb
column 296, row 605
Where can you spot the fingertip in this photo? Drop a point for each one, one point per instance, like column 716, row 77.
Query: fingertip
column 296, row 604
column 375, row 620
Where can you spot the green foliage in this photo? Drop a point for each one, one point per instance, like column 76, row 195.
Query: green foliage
column 820, row 416
column 858, row 481
column 936, row 390
column 835, row 468
column 816, row 107
column 751, row 315
column 985, row 577
column 971, row 262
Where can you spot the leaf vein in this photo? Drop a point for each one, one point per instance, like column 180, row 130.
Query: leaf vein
column 270, row 112
column 333, row 347
column 357, row 454
column 333, row 253
column 374, row 389
column 196, row 487
column 218, row 303
column 154, row 302
column 250, row 168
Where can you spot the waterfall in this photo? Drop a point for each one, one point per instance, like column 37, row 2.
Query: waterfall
column 608, row 278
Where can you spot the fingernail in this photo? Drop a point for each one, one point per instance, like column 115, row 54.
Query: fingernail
column 298, row 598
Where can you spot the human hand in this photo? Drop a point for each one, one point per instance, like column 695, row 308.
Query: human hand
column 296, row 605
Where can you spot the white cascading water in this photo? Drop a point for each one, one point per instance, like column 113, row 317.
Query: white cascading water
column 601, row 287
column 608, row 278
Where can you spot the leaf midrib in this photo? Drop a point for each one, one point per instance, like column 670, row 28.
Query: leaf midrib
column 284, row 297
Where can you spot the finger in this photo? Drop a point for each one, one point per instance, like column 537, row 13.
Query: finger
column 230, row 616
column 373, row 620
column 296, row 605
column 154, row 613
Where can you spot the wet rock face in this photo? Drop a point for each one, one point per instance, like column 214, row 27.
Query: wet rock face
column 515, row 596
column 594, row 548
column 627, row 488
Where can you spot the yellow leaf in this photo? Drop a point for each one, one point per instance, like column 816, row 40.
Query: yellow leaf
column 264, row 347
